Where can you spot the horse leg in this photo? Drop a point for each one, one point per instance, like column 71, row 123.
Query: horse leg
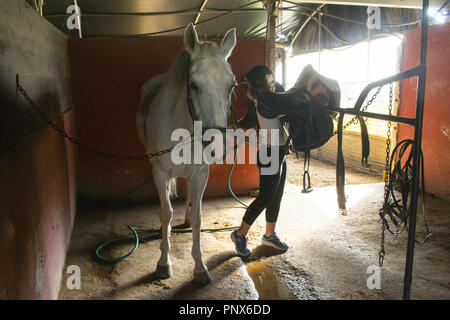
column 196, row 185
column 187, row 216
column 164, row 266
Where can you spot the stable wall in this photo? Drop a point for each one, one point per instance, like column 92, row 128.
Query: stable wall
column 107, row 76
column 436, row 125
column 37, row 167
column 352, row 150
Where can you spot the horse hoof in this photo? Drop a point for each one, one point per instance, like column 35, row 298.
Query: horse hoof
column 164, row 271
column 202, row 278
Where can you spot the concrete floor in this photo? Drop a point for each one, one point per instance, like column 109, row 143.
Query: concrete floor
column 328, row 257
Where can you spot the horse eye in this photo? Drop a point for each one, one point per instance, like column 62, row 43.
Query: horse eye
column 193, row 86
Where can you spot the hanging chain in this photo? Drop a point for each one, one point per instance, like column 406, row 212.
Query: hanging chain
column 381, row 254
column 355, row 119
column 78, row 143
column 280, row 10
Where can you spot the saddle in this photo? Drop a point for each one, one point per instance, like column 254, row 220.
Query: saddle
column 310, row 124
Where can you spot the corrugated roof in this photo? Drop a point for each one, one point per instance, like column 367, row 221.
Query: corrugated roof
column 139, row 18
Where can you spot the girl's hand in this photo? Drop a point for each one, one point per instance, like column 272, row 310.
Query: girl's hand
column 320, row 94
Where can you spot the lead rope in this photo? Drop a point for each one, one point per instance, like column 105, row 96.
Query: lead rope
column 235, row 126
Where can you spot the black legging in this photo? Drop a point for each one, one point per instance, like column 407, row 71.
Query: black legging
column 271, row 189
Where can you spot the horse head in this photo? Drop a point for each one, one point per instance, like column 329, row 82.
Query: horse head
column 210, row 79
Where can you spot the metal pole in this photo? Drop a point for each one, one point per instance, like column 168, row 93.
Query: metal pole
column 356, row 112
column 304, row 24
column 80, row 34
column 284, row 66
column 41, row 4
column 320, row 37
column 200, row 11
column 416, row 154
column 368, row 55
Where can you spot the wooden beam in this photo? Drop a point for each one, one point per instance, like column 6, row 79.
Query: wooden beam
column 270, row 33
column 200, row 11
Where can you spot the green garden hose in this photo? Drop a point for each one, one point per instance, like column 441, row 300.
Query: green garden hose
column 155, row 233
column 229, row 181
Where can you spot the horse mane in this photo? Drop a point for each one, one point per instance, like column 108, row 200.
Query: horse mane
column 177, row 73
column 180, row 67
column 175, row 78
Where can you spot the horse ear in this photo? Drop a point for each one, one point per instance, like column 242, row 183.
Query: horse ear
column 190, row 38
column 228, row 43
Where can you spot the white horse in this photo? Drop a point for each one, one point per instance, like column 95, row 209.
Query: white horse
column 164, row 108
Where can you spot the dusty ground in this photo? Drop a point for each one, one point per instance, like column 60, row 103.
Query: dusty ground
column 328, row 257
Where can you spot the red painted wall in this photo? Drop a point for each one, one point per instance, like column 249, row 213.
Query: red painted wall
column 37, row 213
column 107, row 75
column 436, row 127
column 37, row 167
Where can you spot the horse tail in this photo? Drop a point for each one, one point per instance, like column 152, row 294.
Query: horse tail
column 172, row 188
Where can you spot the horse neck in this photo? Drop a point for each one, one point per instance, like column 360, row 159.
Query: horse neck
column 170, row 112
column 179, row 112
column 176, row 91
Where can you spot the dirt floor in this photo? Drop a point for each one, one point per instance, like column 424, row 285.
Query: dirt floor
column 330, row 255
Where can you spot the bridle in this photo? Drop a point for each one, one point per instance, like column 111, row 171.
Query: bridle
column 193, row 113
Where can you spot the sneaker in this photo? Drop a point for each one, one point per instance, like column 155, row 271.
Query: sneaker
column 240, row 243
column 274, row 241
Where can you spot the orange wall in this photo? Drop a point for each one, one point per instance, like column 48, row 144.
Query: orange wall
column 436, row 127
column 107, row 75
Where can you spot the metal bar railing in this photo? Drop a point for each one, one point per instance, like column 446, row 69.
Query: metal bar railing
column 417, row 122
column 409, row 121
column 417, row 71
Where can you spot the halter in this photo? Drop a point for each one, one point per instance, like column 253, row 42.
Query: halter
column 195, row 117
column 193, row 113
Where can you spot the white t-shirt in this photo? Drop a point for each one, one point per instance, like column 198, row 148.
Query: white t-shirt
column 265, row 126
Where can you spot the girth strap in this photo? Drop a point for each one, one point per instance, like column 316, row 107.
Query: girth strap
column 365, row 144
column 340, row 167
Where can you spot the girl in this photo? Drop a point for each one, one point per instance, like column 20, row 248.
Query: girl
column 271, row 186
